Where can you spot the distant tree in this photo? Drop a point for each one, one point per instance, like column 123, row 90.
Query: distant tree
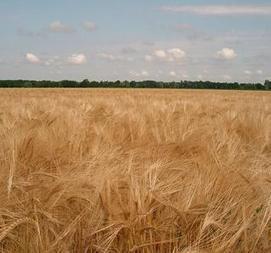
column 68, row 84
column 135, row 84
column 117, row 83
column 85, row 83
column 267, row 85
column 131, row 84
column 28, row 84
column 125, row 83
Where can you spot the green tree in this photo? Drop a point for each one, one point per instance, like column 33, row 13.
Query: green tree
column 267, row 85
column 85, row 83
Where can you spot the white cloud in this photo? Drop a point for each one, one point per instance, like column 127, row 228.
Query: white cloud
column 59, row 27
column 55, row 61
column 77, row 59
column 134, row 73
column 89, row 26
column 160, row 54
column 111, row 57
column 172, row 73
column 259, row 72
column 148, row 58
column 48, row 63
column 170, row 54
column 220, row 10
column 32, row 58
column 142, row 73
column 107, row 56
column 247, row 72
column 176, row 53
column 226, row 54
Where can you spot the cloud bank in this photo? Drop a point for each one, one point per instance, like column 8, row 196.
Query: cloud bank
column 220, row 10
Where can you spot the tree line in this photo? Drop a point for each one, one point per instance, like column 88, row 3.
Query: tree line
column 134, row 84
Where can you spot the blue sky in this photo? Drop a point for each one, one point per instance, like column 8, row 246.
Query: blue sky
column 122, row 39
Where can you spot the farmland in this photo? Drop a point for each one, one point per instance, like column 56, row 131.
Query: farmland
column 116, row 170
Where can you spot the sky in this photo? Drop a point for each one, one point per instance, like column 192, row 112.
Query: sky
column 222, row 40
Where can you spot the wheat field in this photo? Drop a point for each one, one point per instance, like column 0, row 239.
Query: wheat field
column 146, row 171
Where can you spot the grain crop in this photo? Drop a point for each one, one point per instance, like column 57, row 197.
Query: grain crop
column 143, row 171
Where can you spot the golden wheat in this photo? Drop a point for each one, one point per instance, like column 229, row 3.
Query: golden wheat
column 135, row 171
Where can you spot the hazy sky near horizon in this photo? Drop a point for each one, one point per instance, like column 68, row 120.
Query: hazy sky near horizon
column 220, row 40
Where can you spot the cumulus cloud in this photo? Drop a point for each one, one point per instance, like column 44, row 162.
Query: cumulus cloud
column 220, row 10
column 134, row 73
column 172, row 73
column 176, row 53
column 108, row 56
column 142, row 73
column 226, row 54
column 49, row 62
column 31, row 58
column 89, row 26
column 247, row 72
column 55, row 60
column 168, row 55
column 77, row 59
column 160, row 54
column 111, row 57
column 58, row 27
column 148, row 58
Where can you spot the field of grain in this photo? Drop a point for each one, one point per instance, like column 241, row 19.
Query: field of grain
column 148, row 171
